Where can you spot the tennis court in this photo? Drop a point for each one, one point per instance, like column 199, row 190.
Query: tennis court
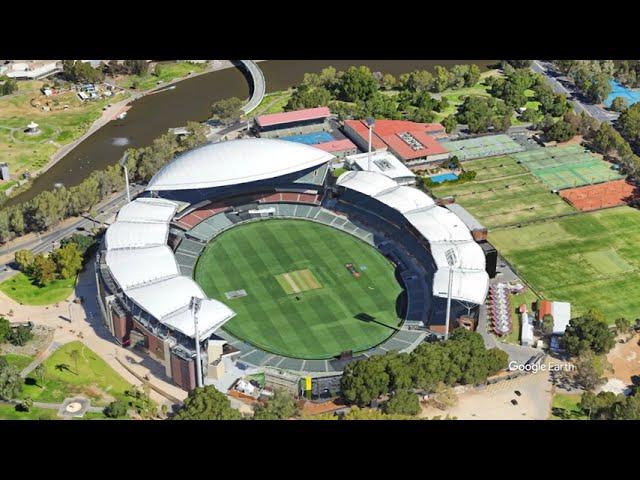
column 602, row 195
column 567, row 167
column 310, row 138
column 488, row 146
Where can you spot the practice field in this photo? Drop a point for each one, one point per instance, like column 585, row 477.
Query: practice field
column 301, row 299
column 590, row 260
column 503, row 193
column 567, row 167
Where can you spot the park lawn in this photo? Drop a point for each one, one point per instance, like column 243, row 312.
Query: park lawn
column 9, row 412
column 346, row 313
column 57, row 127
column 22, row 289
column 165, row 72
column 569, row 402
column 503, row 194
column 273, row 102
column 94, row 378
column 589, row 259
column 18, row 361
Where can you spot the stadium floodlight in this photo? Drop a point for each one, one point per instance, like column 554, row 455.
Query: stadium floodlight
column 194, row 306
column 123, row 164
column 372, row 123
column 450, row 254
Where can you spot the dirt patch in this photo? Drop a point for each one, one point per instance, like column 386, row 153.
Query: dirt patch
column 602, row 195
column 625, row 359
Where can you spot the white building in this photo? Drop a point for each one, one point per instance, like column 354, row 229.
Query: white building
column 384, row 162
column 561, row 312
column 31, row 69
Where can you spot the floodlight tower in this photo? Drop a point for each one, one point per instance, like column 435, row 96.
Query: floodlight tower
column 123, row 164
column 194, row 306
column 372, row 123
column 450, row 254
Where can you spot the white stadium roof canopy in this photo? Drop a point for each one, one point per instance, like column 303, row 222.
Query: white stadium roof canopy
column 138, row 211
column 212, row 315
column 442, row 228
column 136, row 235
column 137, row 266
column 368, row 183
column 236, row 161
column 468, row 285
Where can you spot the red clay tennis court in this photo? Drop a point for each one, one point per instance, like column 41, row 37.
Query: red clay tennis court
column 602, row 195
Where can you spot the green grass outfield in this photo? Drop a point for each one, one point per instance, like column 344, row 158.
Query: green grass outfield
column 21, row 289
column 591, row 260
column 322, row 323
column 503, row 193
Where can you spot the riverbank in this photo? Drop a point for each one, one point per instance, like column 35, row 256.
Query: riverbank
column 105, row 118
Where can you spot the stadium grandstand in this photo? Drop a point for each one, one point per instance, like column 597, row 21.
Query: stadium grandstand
column 147, row 263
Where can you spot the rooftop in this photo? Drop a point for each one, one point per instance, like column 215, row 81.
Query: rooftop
column 382, row 162
column 295, row 116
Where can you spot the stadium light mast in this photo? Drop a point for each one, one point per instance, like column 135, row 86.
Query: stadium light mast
column 194, row 306
column 450, row 254
column 372, row 123
column 123, row 164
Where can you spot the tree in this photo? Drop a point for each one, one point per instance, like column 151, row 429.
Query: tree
column 356, row 413
column 590, row 369
column 629, row 122
column 10, row 381
column 403, row 402
column 357, row 84
column 82, row 242
column 75, row 355
column 561, row 131
column 588, row 332
column 365, row 380
column 20, row 335
column 40, row 373
column 619, row 104
column 116, row 409
column 441, row 79
column 281, row 406
column 44, row 270
column 207, row 403
column 417, row 81
column 81, row 72
column 443, row 397
column 547, row 324
column 622, row 325
column 449, row 123
column 227, row 110
column 306, row 97
column 517, row 63
column 472, row 76
column 68, row 260
column 8, row 85
column 24, row 260
column 388, row 81
column 5, row 329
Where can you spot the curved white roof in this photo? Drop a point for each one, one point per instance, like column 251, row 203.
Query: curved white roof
column 369, row 183
column 212, row 315
column 469, row 255
column 442, row 228
column 136, row 266
column 136, row 235
column 468, row 285
column 438, row 224
column 405, row 199
column 138, row 211
column 236, row 161
column 161, row 299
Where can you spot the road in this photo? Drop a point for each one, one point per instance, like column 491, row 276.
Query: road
column 45, row 242
column 563, row 85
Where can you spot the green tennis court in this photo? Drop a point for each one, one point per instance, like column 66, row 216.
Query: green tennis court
column 479, row 147
column 567, row 167
column 301, row 300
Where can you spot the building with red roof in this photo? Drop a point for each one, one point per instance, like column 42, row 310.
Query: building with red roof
column 339, row 148
column 287, row 121
column 412, row 142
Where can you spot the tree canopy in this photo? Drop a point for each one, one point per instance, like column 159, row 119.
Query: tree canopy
column 279, row 407
column 588, row 332
column 207, row 403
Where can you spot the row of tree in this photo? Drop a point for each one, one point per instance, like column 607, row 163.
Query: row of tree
column 77, row 71
column 463, row 359
column 63, row 263
column 50, row 207
column 591, row 77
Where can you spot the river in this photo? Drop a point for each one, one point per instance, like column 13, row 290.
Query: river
column 152, row 115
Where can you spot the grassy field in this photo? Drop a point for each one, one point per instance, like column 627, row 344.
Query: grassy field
column 9, row 412
column 21, row 289
column 18, row 361
column 164, row 72
column 273, row 102
column 93, row 378
column 503, row 193
column 569, row 403
column 456, row 96
column 58, row 127
column 591, row 260
column 345, row 313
